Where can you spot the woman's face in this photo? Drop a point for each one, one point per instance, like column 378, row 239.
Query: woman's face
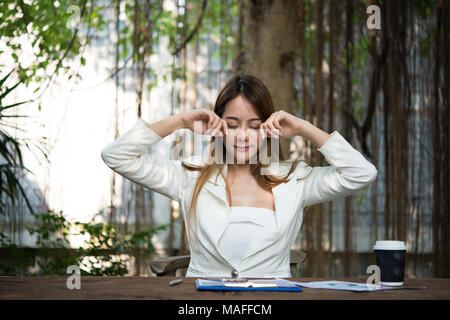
column 243, row 138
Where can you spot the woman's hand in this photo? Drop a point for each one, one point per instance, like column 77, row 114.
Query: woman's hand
column 283, row 124
column 286, row 125
column 210, row 123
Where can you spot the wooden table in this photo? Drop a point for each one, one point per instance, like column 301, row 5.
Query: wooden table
column 126, row 288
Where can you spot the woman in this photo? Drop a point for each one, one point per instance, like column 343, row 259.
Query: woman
column 243, row 215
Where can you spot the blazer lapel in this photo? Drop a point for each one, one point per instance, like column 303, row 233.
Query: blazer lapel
column 216, row 186
column 284, row 198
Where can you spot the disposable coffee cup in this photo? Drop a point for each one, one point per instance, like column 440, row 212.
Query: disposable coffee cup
column 390, row 258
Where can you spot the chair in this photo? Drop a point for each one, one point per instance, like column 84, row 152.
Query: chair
column 168, row 266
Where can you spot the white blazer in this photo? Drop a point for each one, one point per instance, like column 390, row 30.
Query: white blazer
column 348, row 173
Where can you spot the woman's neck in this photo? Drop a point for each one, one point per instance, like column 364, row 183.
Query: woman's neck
column 239, row 170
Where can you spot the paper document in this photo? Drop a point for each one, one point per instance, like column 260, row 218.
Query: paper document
column 257, row 283
column 253, row 283
column 339, row 285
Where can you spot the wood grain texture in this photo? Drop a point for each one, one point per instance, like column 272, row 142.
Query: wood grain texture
column 135, row 288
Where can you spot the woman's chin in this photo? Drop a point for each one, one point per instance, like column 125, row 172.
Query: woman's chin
column 244, row 158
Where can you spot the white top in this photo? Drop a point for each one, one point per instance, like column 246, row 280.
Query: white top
column 247, row 225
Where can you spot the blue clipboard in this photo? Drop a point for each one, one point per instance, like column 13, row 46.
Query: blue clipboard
column 221, row 287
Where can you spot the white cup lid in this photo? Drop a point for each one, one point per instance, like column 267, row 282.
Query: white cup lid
column 389, row 245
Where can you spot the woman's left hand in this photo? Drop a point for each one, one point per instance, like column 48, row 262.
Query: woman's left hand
column 281, row 124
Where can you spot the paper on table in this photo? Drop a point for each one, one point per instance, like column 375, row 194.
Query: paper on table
column 257, row 283
column 253, row 283
column 339, row 285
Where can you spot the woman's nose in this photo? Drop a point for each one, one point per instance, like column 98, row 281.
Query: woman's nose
column 242, row 133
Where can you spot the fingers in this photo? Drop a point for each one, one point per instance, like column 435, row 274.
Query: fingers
column 262, row 133
column 272, row 125
column 221, row 129
column 225, row 127
column 276, row 122
column 212, row 117
column 267, row 131
column 215, row 127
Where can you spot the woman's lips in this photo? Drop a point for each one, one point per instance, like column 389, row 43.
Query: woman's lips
column 241, row 148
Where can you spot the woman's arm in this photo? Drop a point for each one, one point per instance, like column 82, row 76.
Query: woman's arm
column 348, row 173
column 128, row 156
column 166, row 126
column 312, row 133
column 349, row 170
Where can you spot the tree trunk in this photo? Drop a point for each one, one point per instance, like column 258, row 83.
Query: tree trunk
column 116, row 112
column 333, row 17
column 444, row 6
column 348, row 133
column 239, row 47
column 271, row 41
column 319, row 110
column 307, row 112
column 437, row 150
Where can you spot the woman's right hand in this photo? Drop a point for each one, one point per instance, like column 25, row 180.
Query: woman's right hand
column 204, row 121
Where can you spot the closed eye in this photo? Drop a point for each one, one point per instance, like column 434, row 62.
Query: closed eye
column 234, row 127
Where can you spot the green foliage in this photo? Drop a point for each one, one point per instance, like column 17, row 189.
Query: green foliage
column 359, row 200
column 218, row 22
column 10, row 153
column 53, row 231
column 54, row 255
column 106, row 238
column 105, row 250
column 5, row 241
column 361, row 51
column 53, row 30
column 423, row 7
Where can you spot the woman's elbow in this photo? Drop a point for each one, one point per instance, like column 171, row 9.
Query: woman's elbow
column 363, row 177
column 104, row 155
column 107, row 158
column 372, row 174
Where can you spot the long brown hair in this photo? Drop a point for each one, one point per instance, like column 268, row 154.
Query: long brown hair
column 254, row 91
